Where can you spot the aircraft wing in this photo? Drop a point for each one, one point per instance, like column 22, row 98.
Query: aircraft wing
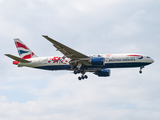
column 75, row 56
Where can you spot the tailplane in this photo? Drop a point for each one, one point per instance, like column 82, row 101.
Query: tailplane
column 17, row 58
column 23, row 50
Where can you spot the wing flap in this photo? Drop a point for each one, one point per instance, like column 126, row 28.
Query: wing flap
column 17, row 58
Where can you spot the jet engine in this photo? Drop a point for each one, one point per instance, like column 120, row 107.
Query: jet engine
column 97, row 61
column 103, row 73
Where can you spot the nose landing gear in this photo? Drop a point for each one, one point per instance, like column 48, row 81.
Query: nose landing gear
column 140, row 71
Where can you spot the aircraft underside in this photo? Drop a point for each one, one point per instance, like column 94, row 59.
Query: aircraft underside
column 91, row 68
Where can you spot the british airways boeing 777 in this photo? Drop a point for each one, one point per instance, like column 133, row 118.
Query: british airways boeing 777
column 76, row 61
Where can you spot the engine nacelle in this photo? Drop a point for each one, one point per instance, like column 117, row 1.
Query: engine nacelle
column 97, row 61
column 103, row 73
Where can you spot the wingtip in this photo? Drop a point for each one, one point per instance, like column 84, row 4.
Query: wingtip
column 16, row 39
column 44, row 35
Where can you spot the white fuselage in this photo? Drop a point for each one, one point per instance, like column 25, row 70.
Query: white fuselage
column 111, row 61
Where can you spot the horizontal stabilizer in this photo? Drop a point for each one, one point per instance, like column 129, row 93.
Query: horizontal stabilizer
column 17, row 58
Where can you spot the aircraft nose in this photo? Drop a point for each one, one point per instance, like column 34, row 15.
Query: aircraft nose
column 152, row 60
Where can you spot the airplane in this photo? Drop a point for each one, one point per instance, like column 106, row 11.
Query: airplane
column 77, row 62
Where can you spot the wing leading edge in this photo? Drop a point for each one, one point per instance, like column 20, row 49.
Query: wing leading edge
column 75, row 56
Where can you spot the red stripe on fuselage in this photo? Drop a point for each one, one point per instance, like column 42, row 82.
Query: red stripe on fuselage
column 135, row 55
column 20, row 45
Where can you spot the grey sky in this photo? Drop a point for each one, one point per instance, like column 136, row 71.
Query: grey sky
column 91, row 27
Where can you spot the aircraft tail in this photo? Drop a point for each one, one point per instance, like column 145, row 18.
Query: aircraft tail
column 23, row 50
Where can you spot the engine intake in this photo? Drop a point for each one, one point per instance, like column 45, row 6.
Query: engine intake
column 98, row 61
column 103, row 73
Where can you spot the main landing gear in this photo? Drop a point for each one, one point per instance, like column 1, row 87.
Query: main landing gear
column 82, row 72
column 140, row 71
column 83, row 77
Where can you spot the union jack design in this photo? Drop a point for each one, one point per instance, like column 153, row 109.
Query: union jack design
column 23, row 50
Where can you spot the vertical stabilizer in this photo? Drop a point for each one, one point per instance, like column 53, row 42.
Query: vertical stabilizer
column 23, row 50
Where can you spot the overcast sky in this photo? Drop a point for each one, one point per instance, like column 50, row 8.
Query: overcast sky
column 91, row 27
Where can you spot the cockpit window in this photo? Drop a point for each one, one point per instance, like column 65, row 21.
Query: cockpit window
column 148, row 57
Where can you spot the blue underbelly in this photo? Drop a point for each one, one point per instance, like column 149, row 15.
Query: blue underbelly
column 125, row 65
column 107, row 65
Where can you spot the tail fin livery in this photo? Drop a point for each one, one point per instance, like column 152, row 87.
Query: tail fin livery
column 23, row 50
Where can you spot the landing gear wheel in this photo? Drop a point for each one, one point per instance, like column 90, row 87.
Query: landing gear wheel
column 86, row 76
column 140, row 71
column 79, row 78
column 75, row 72
column 82, row 77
